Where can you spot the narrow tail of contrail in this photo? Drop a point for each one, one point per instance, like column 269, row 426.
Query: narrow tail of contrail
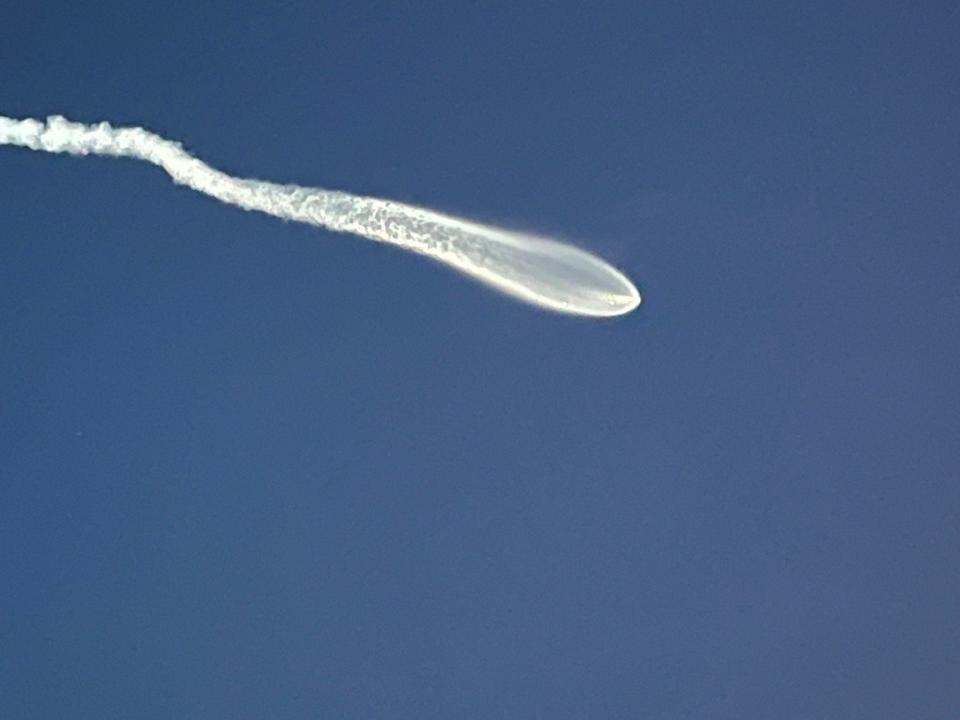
column 540, row 271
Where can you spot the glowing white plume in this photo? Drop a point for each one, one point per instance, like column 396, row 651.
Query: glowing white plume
column 543, row 272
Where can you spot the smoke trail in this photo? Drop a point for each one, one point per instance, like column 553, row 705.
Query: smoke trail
column 540, row 271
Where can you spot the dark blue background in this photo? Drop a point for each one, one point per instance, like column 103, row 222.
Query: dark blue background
column 254, row 470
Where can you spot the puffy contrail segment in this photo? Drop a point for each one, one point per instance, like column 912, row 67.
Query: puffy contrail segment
column 540, row 271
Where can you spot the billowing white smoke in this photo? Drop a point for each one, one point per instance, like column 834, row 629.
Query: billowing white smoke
column 540, row 271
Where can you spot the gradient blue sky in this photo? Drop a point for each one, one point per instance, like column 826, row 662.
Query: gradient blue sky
column 253, row 470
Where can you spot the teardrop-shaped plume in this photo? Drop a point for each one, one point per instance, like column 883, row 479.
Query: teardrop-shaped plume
column 540, row 271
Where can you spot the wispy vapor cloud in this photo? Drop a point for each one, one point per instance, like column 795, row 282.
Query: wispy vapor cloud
column 540, row 271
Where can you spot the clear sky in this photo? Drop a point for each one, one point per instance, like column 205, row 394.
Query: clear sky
column 250, row 469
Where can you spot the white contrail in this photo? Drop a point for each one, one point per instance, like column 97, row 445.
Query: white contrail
column 543, row 272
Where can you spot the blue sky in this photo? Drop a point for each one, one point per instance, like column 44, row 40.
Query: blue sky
column 249, row 469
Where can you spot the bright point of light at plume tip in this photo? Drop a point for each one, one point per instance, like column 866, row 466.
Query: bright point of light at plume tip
column 543, row 272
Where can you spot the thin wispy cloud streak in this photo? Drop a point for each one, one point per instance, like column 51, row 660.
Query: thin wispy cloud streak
column 538, row 270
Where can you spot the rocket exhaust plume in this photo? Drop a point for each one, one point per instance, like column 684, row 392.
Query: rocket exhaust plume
column 540, row 271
